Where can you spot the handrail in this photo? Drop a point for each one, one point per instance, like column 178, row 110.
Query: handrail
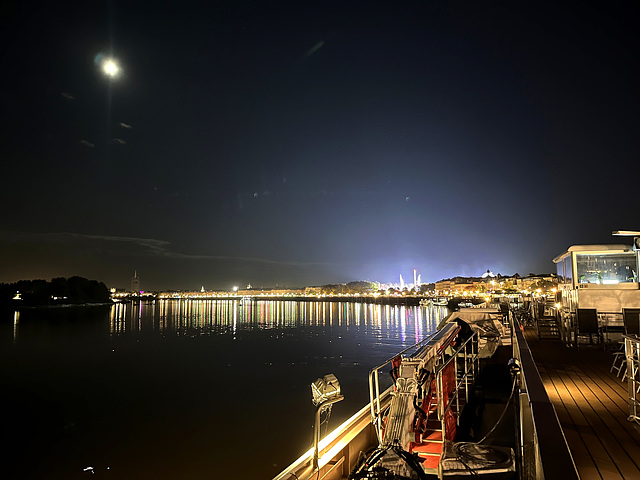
column 374, row 398
column 632, row 357
column 336, row 440
column 474, row 359
column 539, row 422
column 374, row 387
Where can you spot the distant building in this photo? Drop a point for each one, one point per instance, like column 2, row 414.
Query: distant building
column 530, row 281
column 135, row 282
column 255, row 292
column 488, row 274
column 458, row 284
column 492, row 282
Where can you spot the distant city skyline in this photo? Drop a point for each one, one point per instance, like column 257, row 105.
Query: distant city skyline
column 136, row 283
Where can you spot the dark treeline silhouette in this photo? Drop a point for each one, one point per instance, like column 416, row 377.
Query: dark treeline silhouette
column 60, row 290
column 351, row 288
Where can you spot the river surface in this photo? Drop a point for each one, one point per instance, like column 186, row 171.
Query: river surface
column 189, row 389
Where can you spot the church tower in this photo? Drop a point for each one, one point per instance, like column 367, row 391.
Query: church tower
column 135, row 282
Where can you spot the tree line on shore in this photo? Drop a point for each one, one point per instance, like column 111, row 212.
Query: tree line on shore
column 355, row 288
column 74, row 290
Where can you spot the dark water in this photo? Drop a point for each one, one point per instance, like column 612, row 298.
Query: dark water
column 184, row 389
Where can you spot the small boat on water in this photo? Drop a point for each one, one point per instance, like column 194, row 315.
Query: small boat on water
column 430, row 302
column 465, row 401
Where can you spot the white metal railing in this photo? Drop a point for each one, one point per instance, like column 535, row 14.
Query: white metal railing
column 544, row 452
column 466, row 354
column 374, row 385
column 632, row 355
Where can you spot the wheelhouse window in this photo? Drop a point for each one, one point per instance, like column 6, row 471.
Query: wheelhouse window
column 607, row 268
column 568, row 270
column 560, row 270
column 564, row 271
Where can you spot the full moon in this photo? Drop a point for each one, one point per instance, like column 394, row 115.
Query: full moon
column 110, row 67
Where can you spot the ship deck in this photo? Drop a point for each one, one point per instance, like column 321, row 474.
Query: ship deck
column 591, row 404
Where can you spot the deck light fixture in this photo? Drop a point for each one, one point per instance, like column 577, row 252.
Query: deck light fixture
column 325, row 388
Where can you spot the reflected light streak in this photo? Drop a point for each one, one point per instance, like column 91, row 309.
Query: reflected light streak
column 235, row 319
column 16, row 321
column 387, row 325
column 403, row 324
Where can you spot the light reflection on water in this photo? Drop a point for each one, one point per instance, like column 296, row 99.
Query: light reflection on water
column 216, row 317
column 177, row 388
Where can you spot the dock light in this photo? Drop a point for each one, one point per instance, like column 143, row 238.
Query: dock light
column 325, row 392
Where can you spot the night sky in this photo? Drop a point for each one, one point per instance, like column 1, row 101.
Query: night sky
column 305, row 143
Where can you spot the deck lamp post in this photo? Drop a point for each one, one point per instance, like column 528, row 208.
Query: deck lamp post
column 326, row 392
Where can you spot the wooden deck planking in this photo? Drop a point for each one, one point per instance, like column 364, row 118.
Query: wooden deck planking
column 622, row 447
column 619, row 413
column 579, row 449
column 613, row 458
column 610, row 386
column 592, row 441
column 591, row 404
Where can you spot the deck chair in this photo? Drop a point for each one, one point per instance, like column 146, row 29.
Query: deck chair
column 619, row 363
column 504, row 310
column 631, row 319
column 586, row 324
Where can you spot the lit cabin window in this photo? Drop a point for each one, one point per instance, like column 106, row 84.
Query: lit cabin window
column 607, row 268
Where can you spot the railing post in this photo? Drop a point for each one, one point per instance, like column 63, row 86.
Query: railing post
column 377, row 383
column 372, row 405
column 632, row 354
column 466, row 374
column 440, row 398
column 316, row 428
column 455, row 367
